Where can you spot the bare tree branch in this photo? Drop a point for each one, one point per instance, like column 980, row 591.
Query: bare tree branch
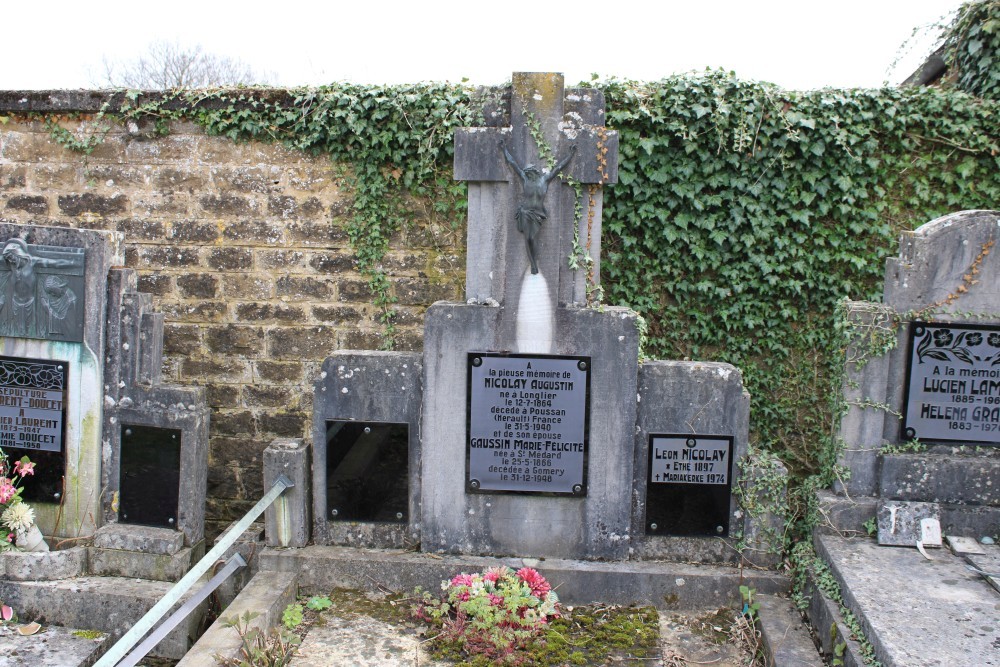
column 168, row 65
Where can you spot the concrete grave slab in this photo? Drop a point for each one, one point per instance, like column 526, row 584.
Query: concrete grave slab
column 902, row 600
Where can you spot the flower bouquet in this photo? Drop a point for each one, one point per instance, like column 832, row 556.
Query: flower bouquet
column 17, row 518
column 492, row 613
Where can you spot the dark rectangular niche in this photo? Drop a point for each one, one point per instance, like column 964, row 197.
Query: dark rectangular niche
column 150, row 476
column 367, row 471
column 689, row 485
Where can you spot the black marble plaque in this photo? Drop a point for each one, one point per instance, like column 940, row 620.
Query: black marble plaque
column 528, row 424
column 952, row 384
column 32, row 403
column 41, row 291
column 150, row 476
column 689, row 485
column 367, row 471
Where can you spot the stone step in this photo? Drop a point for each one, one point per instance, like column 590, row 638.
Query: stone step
column 266, row 595
column 139, row 565
column 903, row 600
column 957, row 479
column 108, row 604
column 787, row 642
column 52, row 646
column 663, row 585
column 846, row 516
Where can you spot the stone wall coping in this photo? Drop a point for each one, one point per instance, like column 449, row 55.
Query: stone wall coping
column 93, row 101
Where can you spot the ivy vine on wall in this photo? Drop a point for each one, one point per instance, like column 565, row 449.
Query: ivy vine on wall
column 743, row 214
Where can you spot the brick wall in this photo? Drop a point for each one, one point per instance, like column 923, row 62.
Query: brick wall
column 244, row 249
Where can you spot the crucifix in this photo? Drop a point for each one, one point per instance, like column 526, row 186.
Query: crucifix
column 542, row 158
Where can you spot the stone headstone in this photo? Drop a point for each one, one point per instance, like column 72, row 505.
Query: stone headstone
column 80, row 358
column 524, row 408
column 934, row 379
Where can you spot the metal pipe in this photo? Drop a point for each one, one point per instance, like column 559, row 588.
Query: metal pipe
column 234, row 563
column 139, row 630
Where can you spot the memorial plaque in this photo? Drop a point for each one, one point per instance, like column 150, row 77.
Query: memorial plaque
column 367, row 471
column 528, row 424
column 41, row 291
column 689, row 486
column 150, row 476
column 953, row 384
column 32, row 403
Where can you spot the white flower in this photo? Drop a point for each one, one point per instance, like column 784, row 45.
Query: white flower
column 18, row 517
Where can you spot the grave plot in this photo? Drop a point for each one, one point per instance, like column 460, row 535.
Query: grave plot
column 528, row 427
column 121, row 458
column 922, row 445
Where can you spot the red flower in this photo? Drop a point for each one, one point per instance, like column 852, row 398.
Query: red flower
column 536, row 582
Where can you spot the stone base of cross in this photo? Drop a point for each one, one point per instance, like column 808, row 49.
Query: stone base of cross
column 551, row 129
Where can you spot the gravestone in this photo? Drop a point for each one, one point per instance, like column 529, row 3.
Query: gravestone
column 80, row 356
column 938, row 384
column 530, row 420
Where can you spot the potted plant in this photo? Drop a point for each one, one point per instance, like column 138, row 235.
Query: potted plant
column 17, row 518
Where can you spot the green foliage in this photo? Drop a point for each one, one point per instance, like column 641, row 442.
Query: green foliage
column 743, row 215
column 319, row 602
column 259, row 648
column 807, row 565
column 972, row 48
column 291, row 618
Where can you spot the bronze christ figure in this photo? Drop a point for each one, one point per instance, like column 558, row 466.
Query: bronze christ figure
column 531, row 209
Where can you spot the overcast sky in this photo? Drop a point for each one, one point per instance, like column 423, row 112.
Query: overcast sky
column 798, row 44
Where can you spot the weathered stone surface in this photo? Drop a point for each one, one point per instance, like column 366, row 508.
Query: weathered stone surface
column 141, row 565
column 367, row 387
column 109, row 604
column 43, row 565
column 596, row 526
column 786, row 639
column 900, row 523
column 901, row 599
column 230, row 259
column 288, row 520
column 864, row 387
column 91, row 203
column 686, row 397
column 139, row 538
column 52, row 647
column 683, row 645
column 198, row 285
column 36, row 204
column 966, row 479
column 361, row 641
column 845, row 515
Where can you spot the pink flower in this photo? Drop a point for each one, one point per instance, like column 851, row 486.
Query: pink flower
column 536, row 582
column 24, row 467
column 495, row 573
column 7, row 490
column 496, row 600
column 462, row 580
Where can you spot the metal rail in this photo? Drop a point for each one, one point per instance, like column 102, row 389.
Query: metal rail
column 118, row 652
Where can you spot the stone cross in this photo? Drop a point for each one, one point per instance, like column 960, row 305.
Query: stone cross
column 569, row 125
